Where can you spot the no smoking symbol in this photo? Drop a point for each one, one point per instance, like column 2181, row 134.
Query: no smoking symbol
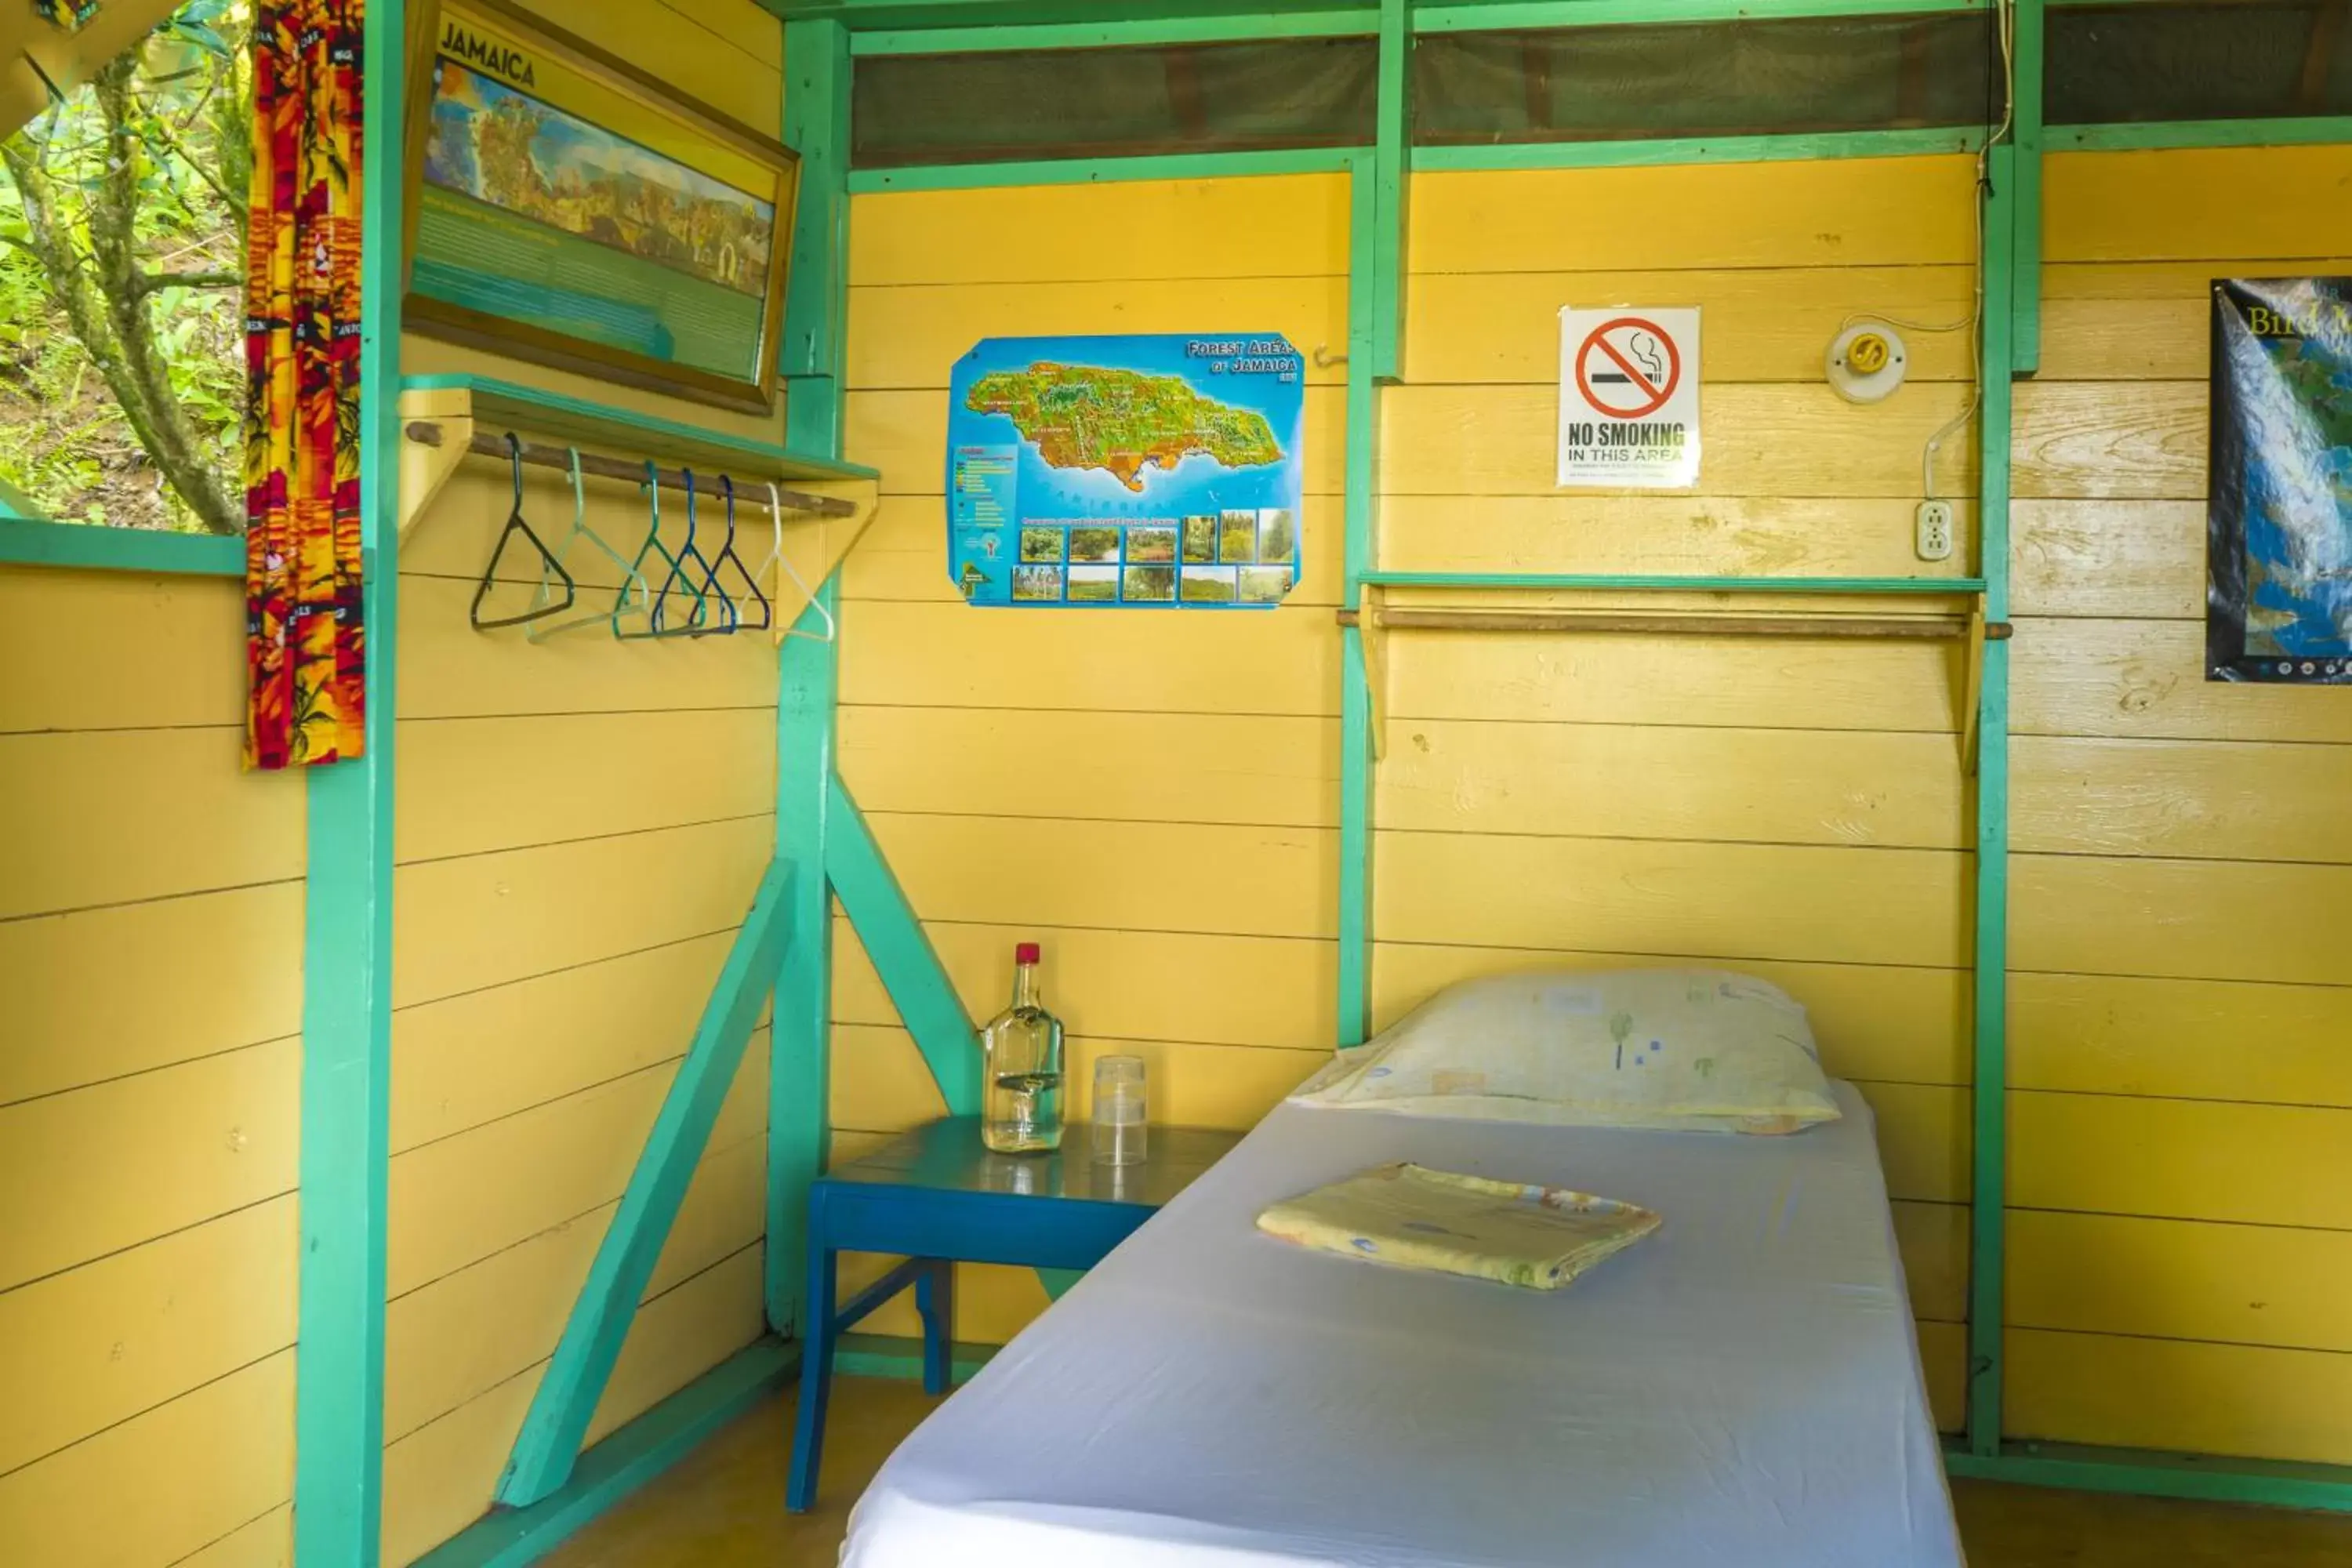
column 1627, row 368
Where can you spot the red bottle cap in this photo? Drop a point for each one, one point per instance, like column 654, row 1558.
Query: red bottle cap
column 1026, row 952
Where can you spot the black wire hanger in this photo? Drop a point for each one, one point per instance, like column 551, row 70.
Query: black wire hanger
column 548, row 564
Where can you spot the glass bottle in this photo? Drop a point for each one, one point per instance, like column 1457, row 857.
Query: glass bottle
column 1020, row 1068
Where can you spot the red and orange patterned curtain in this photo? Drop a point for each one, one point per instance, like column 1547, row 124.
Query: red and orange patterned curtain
column 305, row 639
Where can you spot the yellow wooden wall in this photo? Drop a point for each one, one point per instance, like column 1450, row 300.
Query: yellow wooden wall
column 2181, row 1146
column 581, row 826
column 150, row 940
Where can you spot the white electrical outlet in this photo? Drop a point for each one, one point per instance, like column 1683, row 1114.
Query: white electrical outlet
column 1934, row 540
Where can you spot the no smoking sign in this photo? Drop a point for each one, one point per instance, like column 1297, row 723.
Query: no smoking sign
column 1629, row 398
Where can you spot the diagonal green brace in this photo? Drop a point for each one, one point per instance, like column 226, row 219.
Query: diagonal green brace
column 574, row 1380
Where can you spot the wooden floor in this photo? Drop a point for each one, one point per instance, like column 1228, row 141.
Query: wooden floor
column 723, row 1508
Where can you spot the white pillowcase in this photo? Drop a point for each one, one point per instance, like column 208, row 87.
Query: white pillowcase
column 1645, row 1048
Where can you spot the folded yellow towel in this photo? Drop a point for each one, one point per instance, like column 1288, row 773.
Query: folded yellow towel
column 1413, row 1217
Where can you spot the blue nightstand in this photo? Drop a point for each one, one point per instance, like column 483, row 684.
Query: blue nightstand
column 938, row 1196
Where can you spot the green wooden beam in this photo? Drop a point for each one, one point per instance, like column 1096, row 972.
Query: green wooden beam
column 76, row 546
column 1359, row 551
column 902, row 954
column 346, row 1093
column 879, row 16
column 1393, row 188
column 2155, row 135
column 2025, row 212
column 1616, row 581
column 1699, row 149
column 2149, row 1473
column 569, row 1390
column 1138, row 34
column 1102, row 170
column 1989, row 1189
column 1502, row 16
column 816, row 124
column 626, row 1460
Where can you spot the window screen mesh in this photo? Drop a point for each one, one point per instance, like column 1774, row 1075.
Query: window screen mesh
column 1704, row 79
column 1101, row 103
column 2208, row 61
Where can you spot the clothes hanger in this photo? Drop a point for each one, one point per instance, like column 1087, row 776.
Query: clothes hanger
column 735, row 620
column 699, row 587
column 784, row 566
column 548, row 563
column 631, row 577
column 652, row 609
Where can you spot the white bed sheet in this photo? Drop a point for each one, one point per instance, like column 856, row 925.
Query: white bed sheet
column 1742, row 1388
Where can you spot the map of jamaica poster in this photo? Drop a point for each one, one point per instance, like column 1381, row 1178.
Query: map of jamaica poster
column 1157, row 472
column 2278, row 528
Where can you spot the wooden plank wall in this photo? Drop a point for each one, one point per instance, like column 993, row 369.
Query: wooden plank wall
column 2181, row 1153
column 581, row 823
column 1794, row 809
column 1154, row 798
column 150, row 941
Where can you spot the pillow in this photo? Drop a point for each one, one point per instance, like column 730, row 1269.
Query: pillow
column 1647, row 1047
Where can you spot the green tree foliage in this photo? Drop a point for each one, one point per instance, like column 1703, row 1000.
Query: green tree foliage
column 122, row 214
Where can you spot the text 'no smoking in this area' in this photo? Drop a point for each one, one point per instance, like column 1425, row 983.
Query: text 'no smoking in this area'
column 1629, row 398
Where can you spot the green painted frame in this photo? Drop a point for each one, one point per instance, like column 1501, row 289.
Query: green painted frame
column 347, row 979
column 1507, row 16
column 31, row 542
column 1136, row 33
column 1634, row 153
column 2164, row 134
column 1359, row 510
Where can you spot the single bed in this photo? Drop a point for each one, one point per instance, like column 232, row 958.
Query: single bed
column 1742, row 1388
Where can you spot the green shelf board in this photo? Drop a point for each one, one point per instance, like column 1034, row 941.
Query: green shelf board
column 618, row 431
column 30, row 541
column 1612, row 582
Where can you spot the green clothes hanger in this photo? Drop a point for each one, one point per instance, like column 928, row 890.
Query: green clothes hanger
column 630, row 578
column 653, row 544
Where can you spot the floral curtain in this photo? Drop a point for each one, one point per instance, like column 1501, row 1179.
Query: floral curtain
column 305, row 639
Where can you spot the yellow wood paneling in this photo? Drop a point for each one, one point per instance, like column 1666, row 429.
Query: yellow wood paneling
column 1760, row 440
column 2118, row 440
column 1934, row 1239
column 2123, row 558
column 880, row 1083
column 1117, row 876
column 1753, row 682
column 86, row 1173
column 1277, row 225
column 162, row 1484
column 903, row 554
column 183, row 978
column 468, row 785
column 1128, row 767
column 694, row 46
column 743, row 23
column 681, row 1334
column 2196, row 799
column 458, row 1201
column 952, row 656
column 1780, row 786
column 2214, row 919
column 2171, row 280
column 2178, row 1395
column 2196, row 204
column 1845, row 212
column 473, row 1057
column 449, row 670
column 905, row 434
column 119, row 650
column 1923, row 1139
column 95, row 1346
column 438, row 1478
column 180, row 816
column 2148, row 679
column 2181, row 1159
column 1883, row 1022
column 1697, row 535
column 465, row 1333
column 485, row 919
column 266, row 1542
column 1124, row 984
column 911, row 336
column 1761, row 323
column 2196, row 1039
column 1726, row 900
column 2177, row 1279
column 2164, row 339
column 1943, row 1363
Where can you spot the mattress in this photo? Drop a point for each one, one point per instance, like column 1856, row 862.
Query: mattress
column 1743, row 1387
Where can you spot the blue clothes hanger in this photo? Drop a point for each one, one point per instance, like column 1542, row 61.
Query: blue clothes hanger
column 699, row 586
column 653, row 545
column 735, row 620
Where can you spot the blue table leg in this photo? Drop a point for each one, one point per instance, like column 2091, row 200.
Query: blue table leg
column 935, row 1300
column 816, row 1368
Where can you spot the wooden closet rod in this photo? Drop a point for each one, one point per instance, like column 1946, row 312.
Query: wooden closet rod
column 754, row 494
column 1942, row 628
